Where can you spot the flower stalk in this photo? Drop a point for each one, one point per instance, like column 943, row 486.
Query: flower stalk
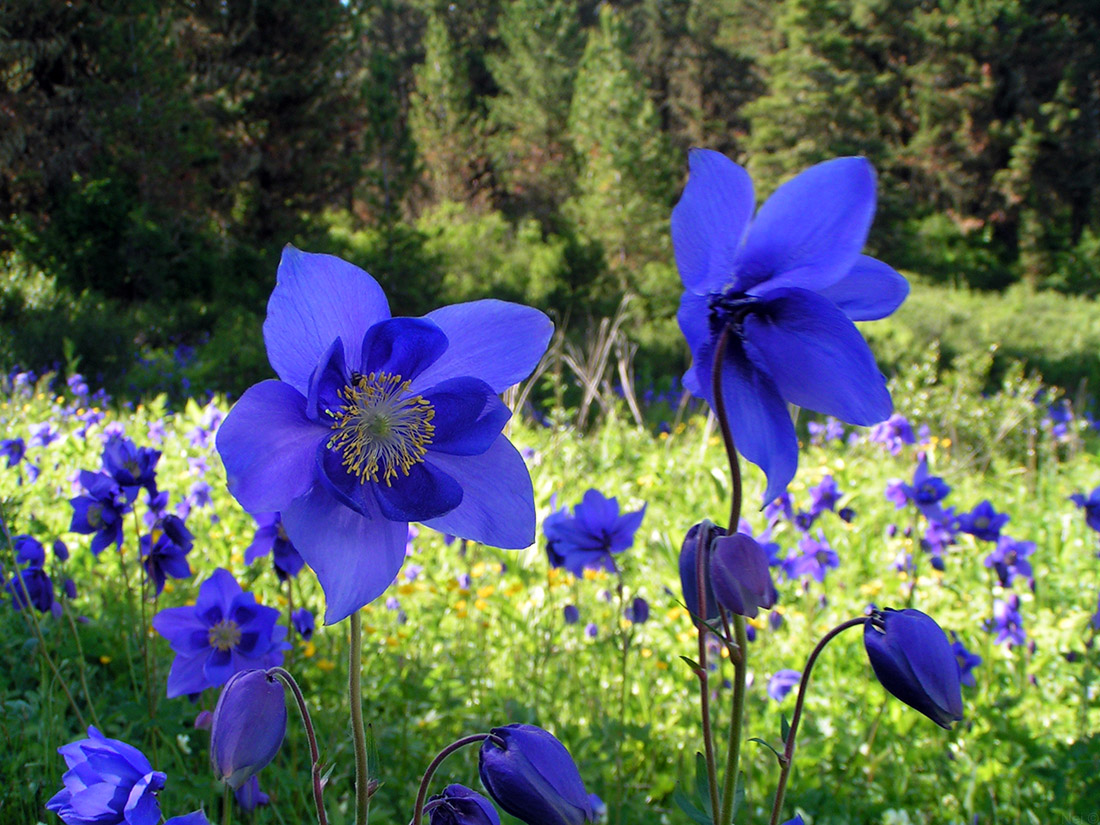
column 314, row 753
column 433, row 766
column 358, row 732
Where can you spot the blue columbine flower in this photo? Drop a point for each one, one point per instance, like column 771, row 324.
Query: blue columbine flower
column 894, row 433
column 1007, row 621
column 248, row 727
column 588, row 538
column 966, row 660
column 814, row 558
column 100, row 510
column 1009, row 560
column 787, row 285
column 380, row 421
column 983, row 522
column 13, row 449
column 1091, row 506
column 531, row 775
column 224, row 632
column 782, row 683
column 303, row 622
column 271, row 537
column 824, row 496
column 164, row 551
column 913, row 660
column 133, row 468
column 107, row 782
column 458, row 805
column 926, row 491
column 740, row 576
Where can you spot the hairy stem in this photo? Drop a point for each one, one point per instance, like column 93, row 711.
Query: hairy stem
column 358, row 733
column 314, row 753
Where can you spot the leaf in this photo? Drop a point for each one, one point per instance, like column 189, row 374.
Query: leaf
column 696, row 668
column 738, row 795
column 784, row 727
column 760, row 741
column 688, row 807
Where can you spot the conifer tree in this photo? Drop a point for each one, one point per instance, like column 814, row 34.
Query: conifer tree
column 627, row 177
column 542, row 43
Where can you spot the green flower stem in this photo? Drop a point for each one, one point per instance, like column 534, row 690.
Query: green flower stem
column 314, row 753
column 422, row 792
column 227, row 806
column 701, row 673
column 358, row 733
column 83, row 665
column 787, row 759
column 733, row 753
column 32, row 620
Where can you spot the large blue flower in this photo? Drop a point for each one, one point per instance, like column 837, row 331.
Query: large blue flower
column 787, row 284
column 378, row 422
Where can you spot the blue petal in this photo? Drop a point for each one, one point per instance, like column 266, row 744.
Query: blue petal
column 498, row 505
column 425, row 493
column 318, row 298
column 758, row 417
column 268, row 446
column 817, row 357
column 187, row 675
column 402, row 346
column 355, row 558
column 184, row 632
column 496, row 341
column 810, row 232
column 326, row 382
column 468, row 416
column 871, row 290
column 710, row 220
column 925, row 646
column 693, row 317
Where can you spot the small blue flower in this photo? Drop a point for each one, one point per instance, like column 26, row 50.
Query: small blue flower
column 814, row 558
column 1091, row 506
column 894, row 433
column 782, row 682
column 271, row 537
column 638, row 611
column 967, row 661
column 107, row 782
column 914, row 661
column 824, row 496
column 223, row 633
column 983, row 522
column 13, row 449
column 458, row 805
column 1009, row 560
column 531, row 775
column 589, row 538
column 787, row 285
column 99, row 511
column 249, row 796
column 689, row 576
column 34, row 584
column 1007, row 621
column 571, row 614
column 926, row 491
column 304, row 623
column 164, row 552
column 133, row 468
column 740, row 577
column 377, row 422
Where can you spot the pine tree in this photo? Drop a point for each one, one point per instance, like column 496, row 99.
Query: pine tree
column 446, row 125
column 625, row 188
column 542, row 43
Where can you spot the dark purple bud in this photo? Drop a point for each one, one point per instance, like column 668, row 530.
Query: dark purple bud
column 249, row 796
column 937, row 562
column 775, row 620
column 533, row 777
column 689, row 584
column 638, row 612
column 846, row 514
column 458, row 805
column 740, row 575
column 69, row 586
column 303, row 622
column 60, row 550
column 204, row 719
column 914, row 661
column 248, row 727
column 891, row 530
column 572, row 614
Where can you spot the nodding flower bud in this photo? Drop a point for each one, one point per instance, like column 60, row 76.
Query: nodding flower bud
column 531, row 775
column 248, row 726
column 689, row 584
column 914, row 661
column 740, row 576
column 458, row 805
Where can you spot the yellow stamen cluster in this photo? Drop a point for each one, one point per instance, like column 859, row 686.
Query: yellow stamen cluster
column 381, row 430
column 225, row 635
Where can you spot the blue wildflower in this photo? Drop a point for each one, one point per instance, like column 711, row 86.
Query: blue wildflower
column 894, row 433
column 814, row 558
column 1009, row 559
column 967, row 661
column 133, row 468
column 740, row 576
column 926, row 491
column 271, row 537
column 380, row 421
column 248, row 727
column 782, row 682
column 303, row 622
column 458, row 805
column 44, row 434
column 33, row 585
column 107, row 782
column 589, row 538
column 1007, row 621
column 983, row 522
column 100, row 510
column 1091, row 506
column 824, row 496
column 638, row 611
column 787, row 285
column 249, row 796
column 571, row 613
column 164, row 552
column 223, row 633
column 13, row 449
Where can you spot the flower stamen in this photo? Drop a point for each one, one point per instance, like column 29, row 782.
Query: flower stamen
column 381, row 430
column 225, row 635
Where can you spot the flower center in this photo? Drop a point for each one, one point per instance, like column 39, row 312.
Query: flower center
column 225, row 635
column 381, row 430
column 981, row 522
column 729, row 309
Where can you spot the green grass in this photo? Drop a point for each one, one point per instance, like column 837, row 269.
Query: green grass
column 455, row 661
